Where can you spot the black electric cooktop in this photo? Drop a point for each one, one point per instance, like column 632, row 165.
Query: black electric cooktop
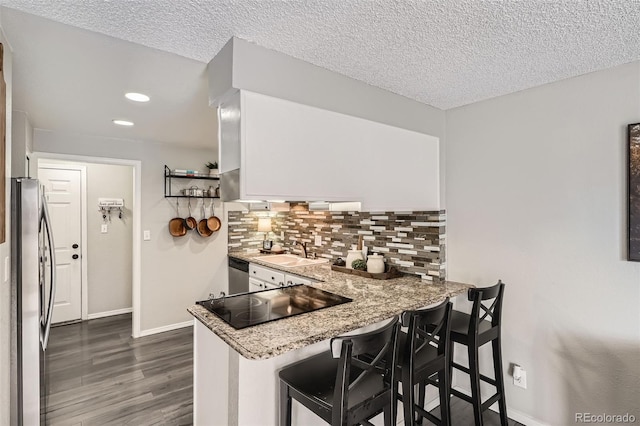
column 248, row 309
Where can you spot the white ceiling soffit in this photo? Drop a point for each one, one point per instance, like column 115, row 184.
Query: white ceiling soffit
column 443, row 53
column 70, row 79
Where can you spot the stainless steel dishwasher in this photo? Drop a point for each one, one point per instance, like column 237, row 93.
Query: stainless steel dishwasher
column 238, row 276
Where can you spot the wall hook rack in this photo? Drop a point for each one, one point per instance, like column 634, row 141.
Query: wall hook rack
column 106, row 205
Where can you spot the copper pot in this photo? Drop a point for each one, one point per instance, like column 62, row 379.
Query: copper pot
column 190, row 222
column 213, row 223
column 202, row 228
column 177, row 225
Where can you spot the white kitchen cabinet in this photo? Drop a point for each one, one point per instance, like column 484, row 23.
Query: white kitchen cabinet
column 257, row 285
column 290, row 151
column 261, row 278
column 290, row 279
column 267, row 276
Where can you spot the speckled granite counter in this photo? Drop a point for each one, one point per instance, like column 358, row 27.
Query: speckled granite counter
column 373, row 301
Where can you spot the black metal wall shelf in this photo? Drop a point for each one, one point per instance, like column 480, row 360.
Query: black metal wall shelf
column 168, row 176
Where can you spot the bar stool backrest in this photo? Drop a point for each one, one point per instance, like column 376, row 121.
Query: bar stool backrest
column 362, row 356
column 427, row 327
column 487, row 305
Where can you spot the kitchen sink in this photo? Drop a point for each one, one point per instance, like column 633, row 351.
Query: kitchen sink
column 290, row 260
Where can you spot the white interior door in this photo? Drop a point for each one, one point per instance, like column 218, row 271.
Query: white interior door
column 63, row 193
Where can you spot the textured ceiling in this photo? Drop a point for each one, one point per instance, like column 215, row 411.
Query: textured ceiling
column 442, row 53
column 74, row 59
column 73, row 80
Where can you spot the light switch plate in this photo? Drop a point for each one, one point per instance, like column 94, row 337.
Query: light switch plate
column 318, row 240
column 105, row 228
column 146, row 235
column 7, row 267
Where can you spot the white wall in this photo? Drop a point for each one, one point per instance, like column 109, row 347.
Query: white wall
column 110, row 254
column 536, row 196
column 21, row 143
column 174, row 272
column 5, row 251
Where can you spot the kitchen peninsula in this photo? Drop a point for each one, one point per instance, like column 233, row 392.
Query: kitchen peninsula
column 235, row 371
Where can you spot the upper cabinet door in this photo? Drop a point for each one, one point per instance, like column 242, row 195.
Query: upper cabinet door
column 295, row 152
column 229, row 133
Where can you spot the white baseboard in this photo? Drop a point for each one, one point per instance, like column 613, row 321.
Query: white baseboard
column 166, row 328
column 516, row 415
column 109, row 313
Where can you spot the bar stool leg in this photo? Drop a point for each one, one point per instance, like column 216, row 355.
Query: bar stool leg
column 407, row 401
column 497, row 368
column 445, row 396
column 422, row 390
column 285, row 405
column 474, row 377
column 391, row 411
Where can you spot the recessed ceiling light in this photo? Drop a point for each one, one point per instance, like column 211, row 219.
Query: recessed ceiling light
column 123, row 123
column 137, row 97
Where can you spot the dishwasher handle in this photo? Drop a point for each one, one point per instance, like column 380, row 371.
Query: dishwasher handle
column 239, row 264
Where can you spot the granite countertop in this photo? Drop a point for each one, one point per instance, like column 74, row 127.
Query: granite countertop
column 311, row 271
column 373, row 301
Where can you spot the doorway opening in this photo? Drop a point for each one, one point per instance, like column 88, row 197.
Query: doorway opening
column 97, row 250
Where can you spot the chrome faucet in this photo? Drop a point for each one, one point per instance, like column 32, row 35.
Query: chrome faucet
column 304, row 248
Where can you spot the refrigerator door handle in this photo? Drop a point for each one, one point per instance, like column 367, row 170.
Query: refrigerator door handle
column 52, row 267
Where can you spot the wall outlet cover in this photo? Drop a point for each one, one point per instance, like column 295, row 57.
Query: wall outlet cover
column 146, row 235
column 520, row 377
column 104, row 228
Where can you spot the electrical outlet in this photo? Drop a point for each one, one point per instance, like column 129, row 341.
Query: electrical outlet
column 105, row 228
column 318, row 240
column 146, row 235
column 519, row 377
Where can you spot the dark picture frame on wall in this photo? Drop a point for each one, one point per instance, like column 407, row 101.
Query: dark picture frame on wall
column 633, row 188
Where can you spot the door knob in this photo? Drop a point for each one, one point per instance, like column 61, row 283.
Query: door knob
column 75, row 256
column 75, row 246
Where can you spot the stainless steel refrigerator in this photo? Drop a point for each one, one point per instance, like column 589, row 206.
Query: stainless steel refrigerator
column 32, row 295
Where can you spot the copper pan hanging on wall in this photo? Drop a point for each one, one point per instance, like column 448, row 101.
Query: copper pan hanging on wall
column 202, row 228
column 213, row 223
column 190, row 222
column 177, row 226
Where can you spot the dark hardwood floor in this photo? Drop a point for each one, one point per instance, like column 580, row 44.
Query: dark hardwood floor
column 99, row 375
column 462, row 414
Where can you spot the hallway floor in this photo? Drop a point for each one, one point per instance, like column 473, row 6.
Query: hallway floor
column 100, row 375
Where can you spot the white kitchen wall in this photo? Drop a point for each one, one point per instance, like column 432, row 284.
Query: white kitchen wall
column 5, row 250
column 536, row 196
column 174, row 272
column 110, row 254
column 21, row 143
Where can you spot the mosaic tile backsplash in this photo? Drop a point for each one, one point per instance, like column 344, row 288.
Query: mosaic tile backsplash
column 414, row 242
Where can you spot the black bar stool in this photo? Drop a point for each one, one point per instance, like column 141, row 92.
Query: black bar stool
column 425, row 352
column 349, row 384
column 474, row 331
